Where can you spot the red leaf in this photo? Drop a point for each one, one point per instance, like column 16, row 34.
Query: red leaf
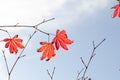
column 18, row 44
column 47, row 49
column 13, row 43
column 117, row 9
column 61, row 39
column 6, row 39
column 57, row 44
column 63, row 45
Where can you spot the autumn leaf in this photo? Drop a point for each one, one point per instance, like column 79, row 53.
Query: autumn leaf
column 117, row 9
column 13, row 44
column 47, row 49
column 61, row 39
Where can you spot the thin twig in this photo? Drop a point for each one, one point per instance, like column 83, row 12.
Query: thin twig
column 51, row 75
column 6, row 64
column 92, row 55
column 83, row 62
column 79, row 72
column 20, row 55
column 6, row 32
column 44, row 21
column 42, row 31
column 100, row 43
column 27, row 25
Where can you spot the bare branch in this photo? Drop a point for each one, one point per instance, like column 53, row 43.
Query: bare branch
column 6, row 64
column 51, row 75
column 93, row 44
column 28, row 26
column 42, row 31
column 44, row 21
column 6, row 32
column 79, row 72
column 20, row 55
column 34, row 26
column 83, row 62
column 91, row 57
column 100, row 43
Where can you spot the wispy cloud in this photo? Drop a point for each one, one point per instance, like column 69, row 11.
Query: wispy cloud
column 25, row 11
column 73, row 9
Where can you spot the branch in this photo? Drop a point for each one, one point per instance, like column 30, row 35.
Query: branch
column 20, row 55
column 83, row 62
column 44, row 21
column 90, row 59
column 29, row 26
column 79, row 72
column 6, row 64
column 51, row 75
column 16, row 25
column 6, row 32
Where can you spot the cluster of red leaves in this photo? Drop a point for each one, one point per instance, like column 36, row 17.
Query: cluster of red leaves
column 48, row 48
column 13, row 44
column 117, row 9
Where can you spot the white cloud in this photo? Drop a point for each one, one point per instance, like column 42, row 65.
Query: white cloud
column 73, row 9
column 23, row 11
column 33, row 11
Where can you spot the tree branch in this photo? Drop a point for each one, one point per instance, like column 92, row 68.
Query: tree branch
column 6, row 64
column 20, row 55
column 51, row 75
column 79, row 72
column 6, row 32
column 90, row 59
column 28, row 26
column 44, row 21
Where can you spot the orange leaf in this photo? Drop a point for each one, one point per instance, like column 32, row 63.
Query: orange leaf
column 63, row 45
column 117, row 9
column 7, row 44
column 19, row 45
column 6, row 39
column 61, row 39
column 57, row 44
column 41, row 49
column 13, row 43
column 18, row 40
column 47, row 49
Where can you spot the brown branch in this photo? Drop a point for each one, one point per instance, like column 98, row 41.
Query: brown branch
column 90, row 59
column 20, row 55
column 5, row 31
column 51, row 75
column 42, row 31
column 6, row 64
column 83, row 62
column 44, row 21
column 28, row 26
column 79, row 72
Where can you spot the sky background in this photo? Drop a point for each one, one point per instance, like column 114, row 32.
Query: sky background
column 84, row 21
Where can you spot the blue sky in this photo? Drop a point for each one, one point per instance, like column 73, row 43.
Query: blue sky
column 84, row 21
